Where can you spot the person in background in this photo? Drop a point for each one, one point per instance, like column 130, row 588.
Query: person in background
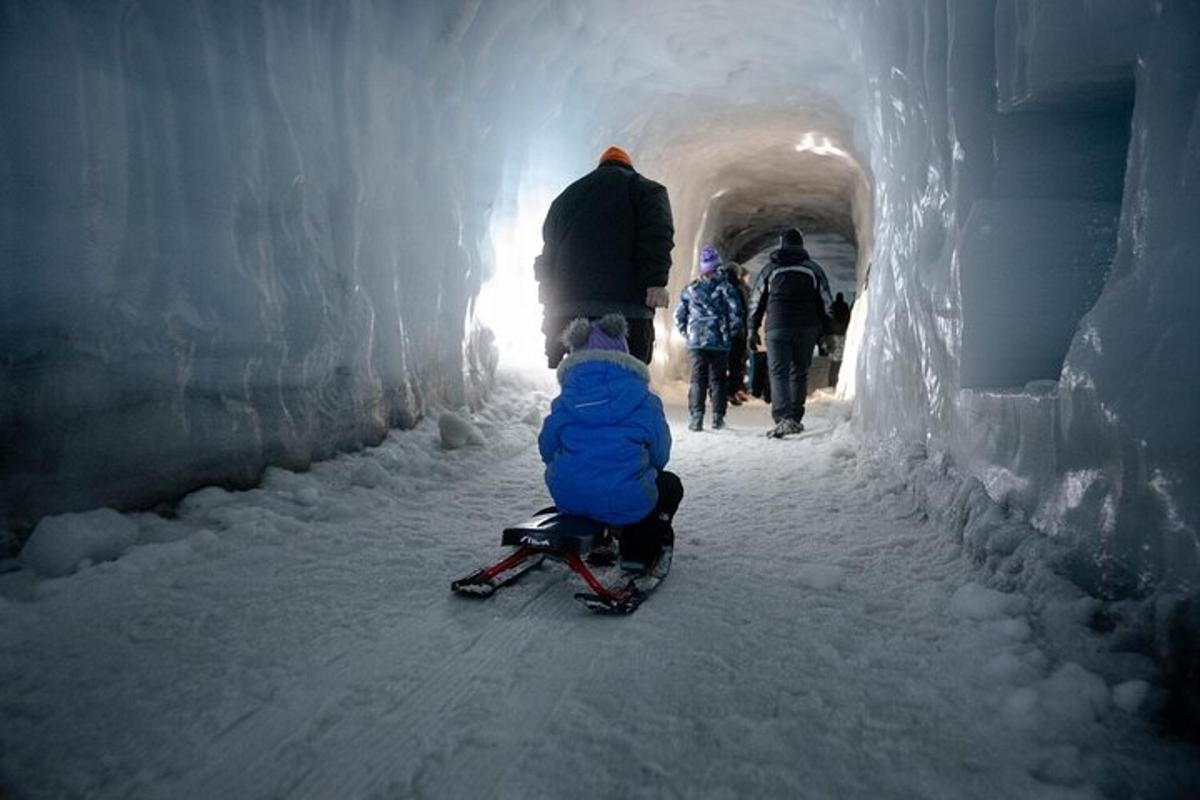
column 793, row 293
column 735, row 273
column 606, row 249
column 840, row 312
column 708, row 313
column 836, row 346
column 606, row 442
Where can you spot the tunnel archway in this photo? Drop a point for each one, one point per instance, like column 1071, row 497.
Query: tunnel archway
column 764, row 176
column 736, row 181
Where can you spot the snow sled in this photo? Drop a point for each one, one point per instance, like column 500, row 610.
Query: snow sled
column 569, row 539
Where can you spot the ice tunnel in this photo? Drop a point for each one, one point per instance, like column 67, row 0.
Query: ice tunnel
column 247, row 234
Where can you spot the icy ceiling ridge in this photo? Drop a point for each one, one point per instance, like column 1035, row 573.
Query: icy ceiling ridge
column 733, row 108
column 752, row 115
column 1033, row 283
column 746, row 180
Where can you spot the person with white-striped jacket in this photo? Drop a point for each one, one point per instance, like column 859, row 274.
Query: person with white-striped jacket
column 792, row 292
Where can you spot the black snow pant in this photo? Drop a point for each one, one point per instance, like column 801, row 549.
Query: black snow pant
column 789, row 354
column 709, row 369
column 641, row 541
column 737, row 365
column 640, row 338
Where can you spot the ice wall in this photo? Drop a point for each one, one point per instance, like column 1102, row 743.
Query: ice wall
column 1033, row 297
column 226, row 239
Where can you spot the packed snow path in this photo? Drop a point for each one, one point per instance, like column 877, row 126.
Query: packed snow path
column 815, row 639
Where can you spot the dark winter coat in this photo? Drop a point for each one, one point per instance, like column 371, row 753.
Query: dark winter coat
column 709, row 312
column 606, row 239
column 743, row 292
column 606, row 438
column 840, row 311
column 792, row 291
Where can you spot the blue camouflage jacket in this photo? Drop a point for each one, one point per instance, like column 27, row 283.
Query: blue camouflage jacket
column 709, row 312
column 605, row 439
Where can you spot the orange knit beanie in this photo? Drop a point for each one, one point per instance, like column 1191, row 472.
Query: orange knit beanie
column 616, row 154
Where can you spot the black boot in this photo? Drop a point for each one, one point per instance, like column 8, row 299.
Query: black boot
column 642, row 544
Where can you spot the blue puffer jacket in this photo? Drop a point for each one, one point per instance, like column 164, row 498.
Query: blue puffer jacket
column 605, row 439
column 708, row 313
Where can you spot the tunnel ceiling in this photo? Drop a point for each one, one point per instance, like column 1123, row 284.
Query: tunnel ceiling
column 708, row 99
column 776, row 191
column 751, row 172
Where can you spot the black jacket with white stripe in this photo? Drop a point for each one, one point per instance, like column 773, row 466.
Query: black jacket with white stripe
column 792, row 291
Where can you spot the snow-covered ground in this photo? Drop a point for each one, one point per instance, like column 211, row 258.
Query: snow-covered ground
column 816, row 638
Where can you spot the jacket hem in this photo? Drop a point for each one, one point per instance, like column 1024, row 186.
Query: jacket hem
column 598, row 308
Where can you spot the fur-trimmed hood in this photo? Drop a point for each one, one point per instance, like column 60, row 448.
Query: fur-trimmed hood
column 625, row 360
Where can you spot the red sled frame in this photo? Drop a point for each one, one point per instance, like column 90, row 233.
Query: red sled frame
column 523, row 553
column 548, row 534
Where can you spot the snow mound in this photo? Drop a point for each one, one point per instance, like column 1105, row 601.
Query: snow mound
column 821, row 577
column 457, row 432
column 1017, row 629
column 1073, row 693
column 1008, row 668
column 1130, row 695
column 973, row 601
column 1070, row 697
column 1062, row 767
column 370, row 474
column 163, row 555
column 62, row 544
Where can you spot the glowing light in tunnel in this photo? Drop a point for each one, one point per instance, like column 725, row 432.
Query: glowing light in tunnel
column 508, row 301
column 663, row 338
column 812, row 142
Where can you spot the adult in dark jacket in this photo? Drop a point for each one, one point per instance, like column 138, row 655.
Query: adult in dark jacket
column 840, row 312
column 606, row 249
column 736, row 274
column 793, row 292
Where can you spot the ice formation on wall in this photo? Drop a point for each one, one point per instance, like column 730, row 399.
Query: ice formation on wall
column 239, row 234
column 1001, row 327
column 232, row 235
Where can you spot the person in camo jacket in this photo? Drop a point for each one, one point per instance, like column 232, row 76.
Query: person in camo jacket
column 708, row 314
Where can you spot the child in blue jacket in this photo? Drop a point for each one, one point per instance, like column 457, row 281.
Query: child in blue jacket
column 709, row 314
column 606, row 441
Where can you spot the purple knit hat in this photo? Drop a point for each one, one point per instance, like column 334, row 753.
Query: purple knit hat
column 606, row 333
column 709, row 259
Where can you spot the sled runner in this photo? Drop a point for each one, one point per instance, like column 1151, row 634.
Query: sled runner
column 569, row 539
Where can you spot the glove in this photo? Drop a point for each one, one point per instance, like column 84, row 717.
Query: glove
column 754, row 341
column 657, row 297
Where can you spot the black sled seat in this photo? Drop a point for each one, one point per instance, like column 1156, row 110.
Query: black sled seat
column 556, row 533
column 565, row 538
